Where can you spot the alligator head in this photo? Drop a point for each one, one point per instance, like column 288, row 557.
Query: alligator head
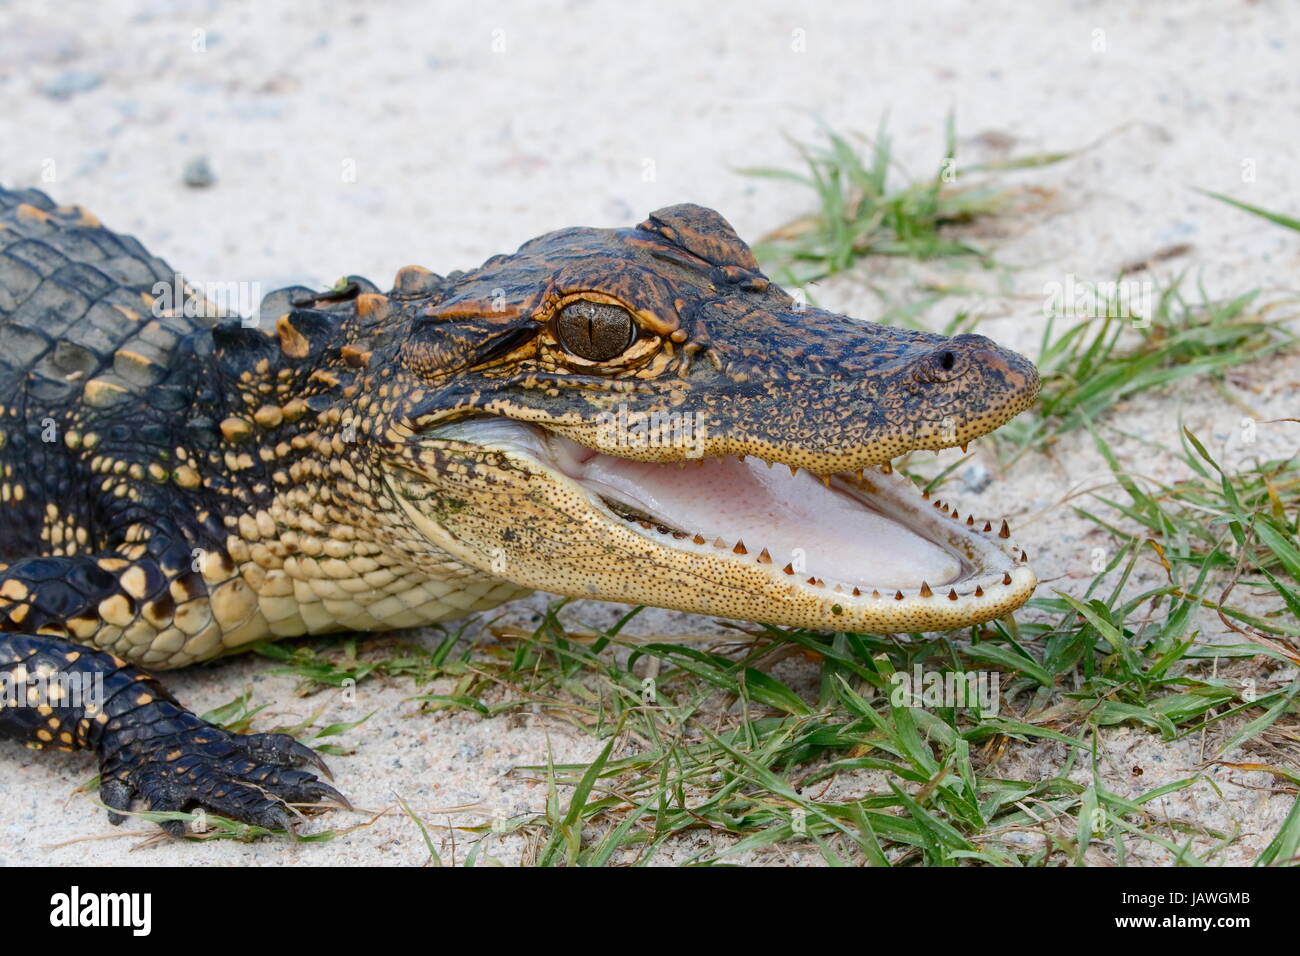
column 639, row 415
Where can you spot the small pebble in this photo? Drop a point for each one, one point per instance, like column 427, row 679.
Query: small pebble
column 198, row 174
column 975, row 478
column 70, row 83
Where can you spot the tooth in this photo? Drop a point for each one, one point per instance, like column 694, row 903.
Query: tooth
column 925, row 495
column 644, row 524
column 925, row 590
column 970, row 520
column 838, row 589
column 963, row 447
column 1006, row 578
column 887, row 468
column 876, row 595
column 862, row 475
column 1005, row 530
column 826, row 480
column 898, row 595
column 944, row 509
column 954, row 515
column 979, row 591
column 952, row 595
column 679, row 535
column 741, row 457
column 739, row 548
column 812, row 581
column 719, row 543
column 1024, row 555
column 788, row 569
column 764, row 557
column 698, row 539
column 821, row 583
column 794, row 471
column 988, row 526
column 857, row 593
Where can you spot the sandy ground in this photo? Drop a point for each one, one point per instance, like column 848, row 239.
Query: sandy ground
column 351, row 138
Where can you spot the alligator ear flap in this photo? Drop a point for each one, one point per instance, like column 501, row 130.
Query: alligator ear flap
column 702, row 232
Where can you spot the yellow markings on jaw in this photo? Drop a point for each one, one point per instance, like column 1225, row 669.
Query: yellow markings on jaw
column 269, row 416
column 235, row 429
column 186, row 477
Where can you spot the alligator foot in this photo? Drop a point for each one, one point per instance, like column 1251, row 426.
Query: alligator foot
column 151, row 749
column 188, row 764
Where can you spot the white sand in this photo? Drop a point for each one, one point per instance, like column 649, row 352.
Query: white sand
column 595, row 114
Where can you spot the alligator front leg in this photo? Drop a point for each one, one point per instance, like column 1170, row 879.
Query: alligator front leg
column 59, row 694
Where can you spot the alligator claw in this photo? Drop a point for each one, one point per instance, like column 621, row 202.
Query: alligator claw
column 283, row 751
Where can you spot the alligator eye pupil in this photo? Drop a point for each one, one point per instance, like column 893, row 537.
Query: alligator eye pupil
column 595, row 331
column 946, row 361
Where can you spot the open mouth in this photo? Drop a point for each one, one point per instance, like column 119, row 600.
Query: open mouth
column 866, row 549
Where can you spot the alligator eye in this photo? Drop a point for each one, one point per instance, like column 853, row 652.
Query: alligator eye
column 946, row 361
column 595, row 331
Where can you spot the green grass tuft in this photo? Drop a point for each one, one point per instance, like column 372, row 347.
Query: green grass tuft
column 861, row 212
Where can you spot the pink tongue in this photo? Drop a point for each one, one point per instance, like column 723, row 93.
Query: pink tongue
column 821, row 531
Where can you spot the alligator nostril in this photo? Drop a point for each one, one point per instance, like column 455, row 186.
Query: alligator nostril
column 946, row 361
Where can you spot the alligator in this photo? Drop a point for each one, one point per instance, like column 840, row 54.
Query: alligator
column 599, row 415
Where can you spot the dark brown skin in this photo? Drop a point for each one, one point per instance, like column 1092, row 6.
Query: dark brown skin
column 177, row 488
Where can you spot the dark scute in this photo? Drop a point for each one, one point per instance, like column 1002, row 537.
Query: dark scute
column 702, row 232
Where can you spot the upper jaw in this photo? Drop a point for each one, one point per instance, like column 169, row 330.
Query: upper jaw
column 842, row 550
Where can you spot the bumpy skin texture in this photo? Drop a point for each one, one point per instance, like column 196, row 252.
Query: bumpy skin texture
column 175, row 485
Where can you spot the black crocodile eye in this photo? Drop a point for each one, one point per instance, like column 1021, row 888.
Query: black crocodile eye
column 946, row 361
column 595, row 331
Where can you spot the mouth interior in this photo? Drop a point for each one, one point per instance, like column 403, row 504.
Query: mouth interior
column 836, row 532
column 831, row 533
